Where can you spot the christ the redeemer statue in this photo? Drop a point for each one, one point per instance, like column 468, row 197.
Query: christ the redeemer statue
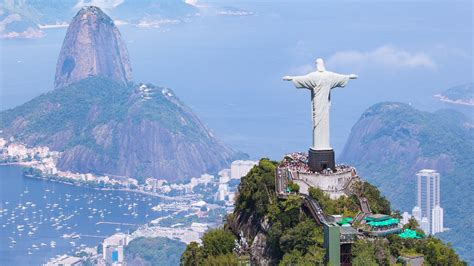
column 320, row 83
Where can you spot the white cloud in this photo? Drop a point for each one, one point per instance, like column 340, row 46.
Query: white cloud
column 192, row 2
column 387, row 56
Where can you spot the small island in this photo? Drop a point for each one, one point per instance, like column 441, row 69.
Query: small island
column 461, row 95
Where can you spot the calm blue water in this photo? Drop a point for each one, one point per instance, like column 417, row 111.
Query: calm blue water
column 34, row 205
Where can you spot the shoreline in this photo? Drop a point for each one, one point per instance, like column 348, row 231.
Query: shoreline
column 458, row 102
column 23, row 164
column 72, row 183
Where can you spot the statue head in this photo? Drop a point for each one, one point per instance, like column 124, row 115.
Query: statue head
column 320, row 65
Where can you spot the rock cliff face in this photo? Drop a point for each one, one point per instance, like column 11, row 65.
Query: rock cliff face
column 92, row 47
column 256, row 232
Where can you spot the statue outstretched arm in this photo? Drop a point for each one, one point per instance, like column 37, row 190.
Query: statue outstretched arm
column 299, row 81
column 353, row 76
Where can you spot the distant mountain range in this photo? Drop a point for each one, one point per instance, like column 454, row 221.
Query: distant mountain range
column 392, row 141
column 27, row 18
column 104, row 123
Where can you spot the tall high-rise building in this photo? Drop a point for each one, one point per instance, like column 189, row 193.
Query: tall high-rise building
column 428, row 210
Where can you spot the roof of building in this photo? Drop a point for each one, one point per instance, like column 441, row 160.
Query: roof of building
column 408, row 233
column 346, row 220
column 115, row 240
column 427, row 171
column 199, row 203
column 377, row 217
column 348, row 230
column 387, row 222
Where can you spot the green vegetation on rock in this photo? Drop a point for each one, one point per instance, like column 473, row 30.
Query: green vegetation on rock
column 347, row 206
column 217, row 242
column 216, row 249
column 105, row 128
column 256, row 189
column 154, row 251
column 91, row 102
column 378, row 203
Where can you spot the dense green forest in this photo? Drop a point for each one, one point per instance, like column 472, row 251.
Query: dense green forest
column 154, row 251
column 95, row 101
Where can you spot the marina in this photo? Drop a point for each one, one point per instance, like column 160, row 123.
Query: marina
column 41, row 219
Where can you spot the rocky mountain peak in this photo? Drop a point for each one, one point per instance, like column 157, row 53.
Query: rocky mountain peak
column 93, row 46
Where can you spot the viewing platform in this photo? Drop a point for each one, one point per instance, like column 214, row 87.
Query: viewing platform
column 294, row 168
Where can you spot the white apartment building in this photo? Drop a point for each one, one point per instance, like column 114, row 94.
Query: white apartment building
column 222, row 192
column 224, row 172
column 240, row 168
column 405, row 217
column 437, row 220
column 416, row 212
column 428, row 211
column 206, row 178
column 113, row 248
column 425, row 224
column 3, row 142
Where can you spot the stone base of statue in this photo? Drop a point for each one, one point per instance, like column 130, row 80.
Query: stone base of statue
column 319, row 160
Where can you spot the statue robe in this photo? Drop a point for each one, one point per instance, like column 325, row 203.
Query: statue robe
column 320, row 84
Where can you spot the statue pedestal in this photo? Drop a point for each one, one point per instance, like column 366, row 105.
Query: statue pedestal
column 319, row 160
